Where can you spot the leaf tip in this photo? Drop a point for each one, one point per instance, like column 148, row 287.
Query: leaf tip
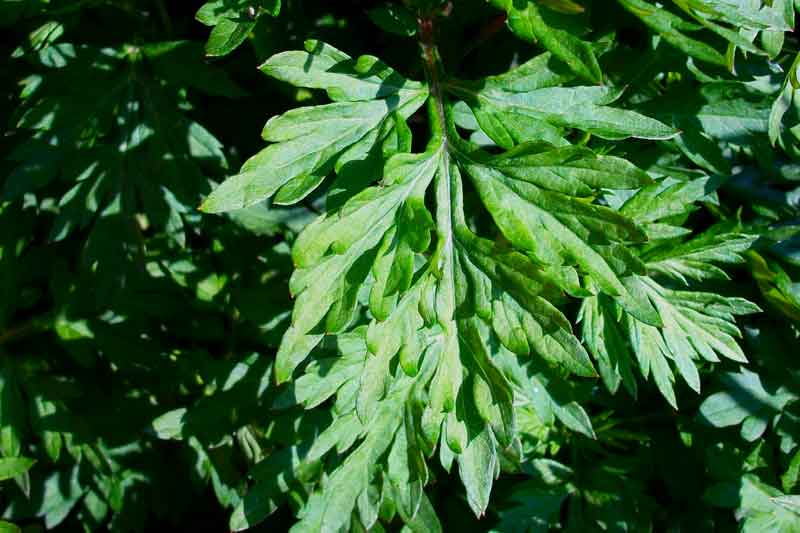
column 280, row 376
column 208, row 206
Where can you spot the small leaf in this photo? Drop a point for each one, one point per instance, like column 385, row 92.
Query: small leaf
column 170, row 424
column 8, row 527
column 477, row 466
column 534, row 23
column 11, row 467
column 227, row 35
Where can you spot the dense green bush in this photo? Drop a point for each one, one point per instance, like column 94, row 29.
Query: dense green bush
column 507, row 266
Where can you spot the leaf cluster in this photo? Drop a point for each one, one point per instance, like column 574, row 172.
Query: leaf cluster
column 503, row 265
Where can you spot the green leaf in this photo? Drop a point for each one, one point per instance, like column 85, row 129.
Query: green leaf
column 309, row 141
column 723, row 111
column 425, row 520
column 695, row 259
column 170, row 424
column 674, row 30
column 273, row 477
column 329, row 511
column 752, row 16
column 429, row 292
column 667, row 199
column 227, row 35
column 232, row 22
column 732, row 21
column 539, row 24
column 478, row 467
column 783, row 103
column 693, row 325
column 546, row 394
column 555, row 228
column 547, row 109
column 535, row 510
column 765, row 508
column 40, row 38
column 791, row 477
column 8, row 527
column 744, row 399
column 11, row 467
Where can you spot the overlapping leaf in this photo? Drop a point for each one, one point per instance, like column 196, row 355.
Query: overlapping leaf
column 783, row 115
column 458, row 329
column 232, row 21
column 553, row 26
column 432, row 331
column 529, row 102
column 536, row 503
column 745, row 401
column 694, row 326
column 371, row 103
column 738, row 23
column 102, row 139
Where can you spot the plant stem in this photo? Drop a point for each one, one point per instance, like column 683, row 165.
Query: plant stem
column 433, row 72
column 446, row 188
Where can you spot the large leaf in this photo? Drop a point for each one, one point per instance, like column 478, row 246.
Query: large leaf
column 431, row 320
